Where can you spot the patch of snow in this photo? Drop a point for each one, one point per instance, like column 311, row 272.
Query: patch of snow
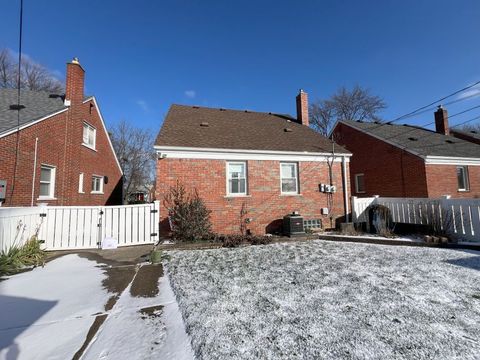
column 409, row 238
column 128, row 333
column 329, row 300
column 47, row 312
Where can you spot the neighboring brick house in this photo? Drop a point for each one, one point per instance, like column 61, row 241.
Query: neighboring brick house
column 59, row 152
column 407, row 161
column 251, row 168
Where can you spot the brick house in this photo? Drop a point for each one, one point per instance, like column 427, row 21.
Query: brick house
column 251, row 168
column 408, row 161
column 55, row 149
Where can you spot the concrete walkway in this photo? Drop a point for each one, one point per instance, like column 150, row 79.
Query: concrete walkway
column 103, row 304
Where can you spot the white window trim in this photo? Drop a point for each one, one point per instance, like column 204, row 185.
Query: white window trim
column 229, row 194
column 297, row 192
column 356, row 183
column 101, row 184
column 81, row 183
column 466, row 179
column 93, row 147
column 53, row 173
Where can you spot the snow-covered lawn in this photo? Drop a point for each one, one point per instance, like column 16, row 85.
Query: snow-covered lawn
column 327, row 300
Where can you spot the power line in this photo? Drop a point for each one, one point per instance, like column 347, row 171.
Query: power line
column 433, row 122
column 433, row 103
column 416, row 111
column 18, row 101
column 446, row 104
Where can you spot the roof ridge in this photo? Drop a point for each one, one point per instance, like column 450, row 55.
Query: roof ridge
column 235, row 110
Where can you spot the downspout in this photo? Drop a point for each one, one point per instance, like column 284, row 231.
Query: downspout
column 34, row 170
column 345, row 188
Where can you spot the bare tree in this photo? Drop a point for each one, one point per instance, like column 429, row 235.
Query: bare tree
column 471, row 127
column 355, row 104
column 33, row 75
column 134, row 149
column 7, row 70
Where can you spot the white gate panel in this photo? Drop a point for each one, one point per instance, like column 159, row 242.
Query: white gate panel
column 80, row 227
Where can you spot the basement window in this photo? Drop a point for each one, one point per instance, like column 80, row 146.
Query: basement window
column 89, row 136
column 359, row 183
column 236, row 178
column 47, row 182
column 462, row 178
column 97, row 184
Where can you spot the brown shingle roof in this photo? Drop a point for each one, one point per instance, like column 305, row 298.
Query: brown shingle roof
column 200, row 127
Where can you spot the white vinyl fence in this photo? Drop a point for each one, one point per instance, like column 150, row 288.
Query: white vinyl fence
column 80, row 227
column 459, row 217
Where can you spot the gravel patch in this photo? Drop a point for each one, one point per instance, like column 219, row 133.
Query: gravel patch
column 324, row 300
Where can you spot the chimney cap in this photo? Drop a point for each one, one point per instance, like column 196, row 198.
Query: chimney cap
column 75, row 61
column 440, row 107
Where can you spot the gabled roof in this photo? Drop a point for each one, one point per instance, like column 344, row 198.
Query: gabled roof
column 38, row 104
column 201, row 127
column 417, row 140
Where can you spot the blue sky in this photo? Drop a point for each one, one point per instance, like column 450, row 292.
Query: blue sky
column 142, row 56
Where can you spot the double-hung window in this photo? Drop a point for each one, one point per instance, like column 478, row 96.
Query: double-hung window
column 289, row 178
column 47, row 182
column 236, row 178
column 462, row 178
column 89, row 135
column 97, row 184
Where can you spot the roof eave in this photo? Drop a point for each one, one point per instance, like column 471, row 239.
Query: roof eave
column 160, row 148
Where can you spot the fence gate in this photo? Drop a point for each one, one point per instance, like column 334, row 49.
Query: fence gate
column 81, row 227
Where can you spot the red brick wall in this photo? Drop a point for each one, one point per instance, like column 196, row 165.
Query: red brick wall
column 264, row 203
column 388, row 170
column 69, row 156
column 442, row 180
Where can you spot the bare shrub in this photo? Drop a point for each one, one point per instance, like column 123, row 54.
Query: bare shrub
column 188, row 213
column 381, row 220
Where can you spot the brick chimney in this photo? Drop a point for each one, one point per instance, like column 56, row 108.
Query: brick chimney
column 441, row 121
column 75, row 82
column 302, row 108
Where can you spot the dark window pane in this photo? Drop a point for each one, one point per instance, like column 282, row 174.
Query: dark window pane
column 289, row 185
column 44, row 189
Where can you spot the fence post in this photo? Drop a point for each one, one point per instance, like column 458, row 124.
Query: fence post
column 156, row 221
column 100, row 225
column 354, row 209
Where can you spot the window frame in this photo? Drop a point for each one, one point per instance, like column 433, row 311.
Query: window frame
column 357, row 191
column 297, row 178
column 94, row 130
column 101, row 184
column 51, row 182
column 239, row 194
column 466, row 182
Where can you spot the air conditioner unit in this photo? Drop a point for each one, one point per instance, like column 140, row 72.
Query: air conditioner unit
column 293, row 225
